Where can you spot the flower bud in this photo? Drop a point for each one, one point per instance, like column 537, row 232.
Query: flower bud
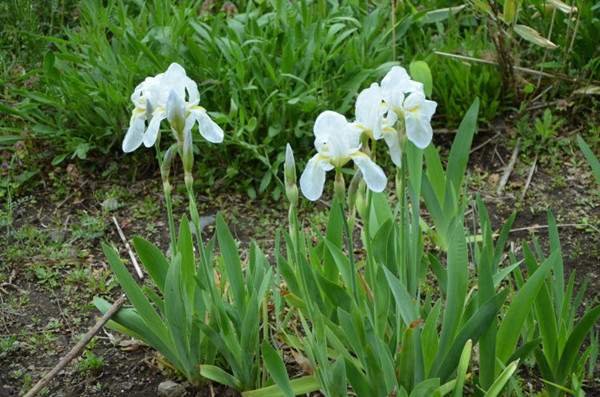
column 187, row 152
column 353, row 190
column 167, row 162
column 361, row 201
column 289, row 175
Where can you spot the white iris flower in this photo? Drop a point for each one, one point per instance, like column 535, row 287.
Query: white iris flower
column 376, row 121
column 337, row 141
column 406, row 99
column 170, row 95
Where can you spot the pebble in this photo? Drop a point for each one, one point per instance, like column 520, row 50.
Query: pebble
column 170, row 389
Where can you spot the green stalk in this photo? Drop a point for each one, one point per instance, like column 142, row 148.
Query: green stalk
column 167, row 188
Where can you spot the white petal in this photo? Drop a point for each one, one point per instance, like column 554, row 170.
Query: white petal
column 175, row 109
column 428, row 108
column 335, row 136
column 208, row 128
column 419, row 131
column 370, row 109
column 392, row 139
column 396, row 84
column 312, row 179
column 152, row 131
column 372, row 173
column 135, row 134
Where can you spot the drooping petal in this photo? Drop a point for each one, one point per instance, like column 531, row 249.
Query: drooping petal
column 372, row 173
column 335, row 136
column 369, row 110
column 418, row 131
column 396, row 84
column 208, row 128
column 392, row 139
column 312, row 179
column 152, row 130
column 135, row 133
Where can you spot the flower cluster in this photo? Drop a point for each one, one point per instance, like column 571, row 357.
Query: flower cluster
column 392, row 110
column 171, row 95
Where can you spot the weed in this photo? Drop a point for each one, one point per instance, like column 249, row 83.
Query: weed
column 90, row 363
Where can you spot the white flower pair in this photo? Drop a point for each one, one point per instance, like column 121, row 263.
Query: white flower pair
column 379, row 108
column 171, row 95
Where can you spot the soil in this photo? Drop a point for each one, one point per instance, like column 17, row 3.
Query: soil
column 44, row 308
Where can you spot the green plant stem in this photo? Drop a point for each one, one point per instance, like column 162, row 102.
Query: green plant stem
column 168, row 200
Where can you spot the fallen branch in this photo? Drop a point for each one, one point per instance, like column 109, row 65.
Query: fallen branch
column 509, row 168
column 537, row 227
column 476, row 148
column 519, row 68
column 76, row 350
column 529, row 177
column 134, row 261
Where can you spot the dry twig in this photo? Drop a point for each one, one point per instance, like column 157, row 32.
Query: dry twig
column 529, row 177
column 509, row 168
column 76, row 350
column 134, row 261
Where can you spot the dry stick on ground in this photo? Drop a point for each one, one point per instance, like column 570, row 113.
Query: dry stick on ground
column 529, row 177
column 519, row 68
column 76, row 350
column 509, row 168
column 476, row 148
column 134, row 261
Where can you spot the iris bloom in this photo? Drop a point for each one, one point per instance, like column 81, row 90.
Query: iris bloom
column 337, row 141
column 406, row 99
column 170, row 95
column 376, row 121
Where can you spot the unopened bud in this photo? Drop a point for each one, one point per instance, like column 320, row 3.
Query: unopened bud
column 289, row 176
column 353, row 190
column 167, row 161
column 361, row 202
column 187, row 152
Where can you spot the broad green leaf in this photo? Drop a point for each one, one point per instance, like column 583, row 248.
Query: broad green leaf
column 510, row 327
column 175, row 310
column 404, row 302
column 441, row 14
column 276, row 368
column 425, row 388
column 335, row 233
column 591, row 159
column 463, row 367
column 435, row 171
column 231, row 260
column 502, row 379
column 131, row 324
column 459, row 153
column 533, row 36
column 457, row 274
column 419, row 71
column 303, row 385
column 216, row 374
column 153, row 259
column 134, row 293
column 576, row 338
column 188, row 263
column 473, row 329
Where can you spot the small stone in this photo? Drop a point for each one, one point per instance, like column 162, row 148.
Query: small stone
column 170, row 389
